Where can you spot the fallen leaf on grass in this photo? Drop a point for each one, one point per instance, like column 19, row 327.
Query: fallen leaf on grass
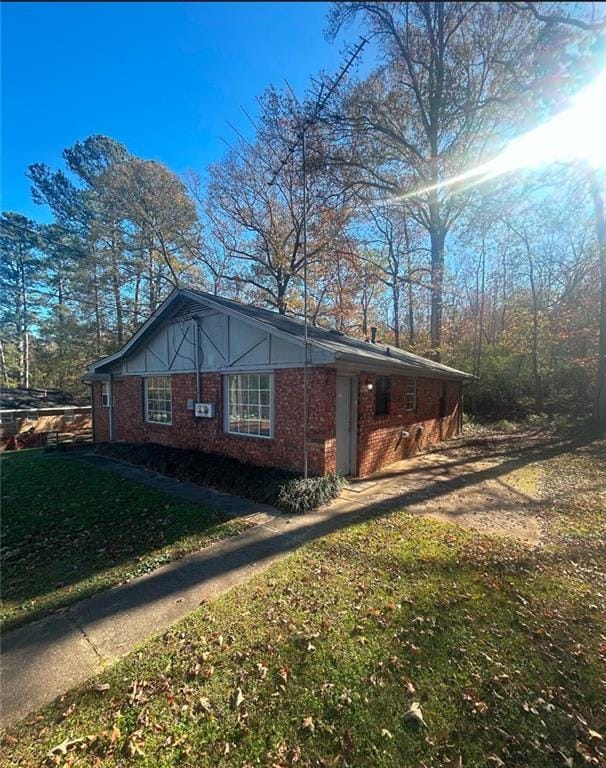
column 595, row 735
column 415, row 714
column 386, row 733
column 102, row 687
column 237, row 699
column 308, row 724
column 66, row 745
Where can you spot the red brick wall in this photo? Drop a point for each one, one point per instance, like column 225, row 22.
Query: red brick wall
column 380, row 440
column 100, row 415
column 285, row 449
column 379, row 437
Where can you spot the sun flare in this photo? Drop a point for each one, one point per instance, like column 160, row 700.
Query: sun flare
column 576, row 133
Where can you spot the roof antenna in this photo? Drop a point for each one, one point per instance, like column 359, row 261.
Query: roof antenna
column 309, row 117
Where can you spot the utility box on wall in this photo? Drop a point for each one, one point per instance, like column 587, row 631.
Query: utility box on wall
column 204, row 410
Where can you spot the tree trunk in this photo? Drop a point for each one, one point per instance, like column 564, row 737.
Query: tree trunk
column 396, row 313
column 118, row 304
column 97, row 309
column 437, row 288
column 136, row 300
column 481, row 285
column 3, row 363
column 599, row 407
column 24, row 331
column 536, row 374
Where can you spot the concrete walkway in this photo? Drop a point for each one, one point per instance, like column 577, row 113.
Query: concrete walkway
column 48, row 657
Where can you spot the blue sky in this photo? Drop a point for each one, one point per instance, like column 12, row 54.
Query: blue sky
column 163, row 78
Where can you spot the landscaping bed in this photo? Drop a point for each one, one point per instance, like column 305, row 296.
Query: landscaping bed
column 281, row 488
column 70, row 530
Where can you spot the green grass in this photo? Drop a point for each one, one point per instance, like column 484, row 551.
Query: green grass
column 316, row 662
column 70, row 530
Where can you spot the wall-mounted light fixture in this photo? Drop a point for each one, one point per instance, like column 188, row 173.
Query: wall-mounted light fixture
column 370, row 386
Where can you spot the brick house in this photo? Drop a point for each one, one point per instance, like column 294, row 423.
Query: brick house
column 212, row 374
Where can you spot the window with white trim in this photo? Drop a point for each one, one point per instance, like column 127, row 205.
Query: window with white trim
column 249, row 404
column 106, row 397
column 7, row 418
column 68, row 417
column 158, row 400
column 411, row 395
column 31, row 416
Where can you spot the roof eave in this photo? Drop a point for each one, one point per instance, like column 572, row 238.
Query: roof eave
column 366, row 362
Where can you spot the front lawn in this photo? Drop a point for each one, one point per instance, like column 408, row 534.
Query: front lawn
column 69, row 530
column 317, row 662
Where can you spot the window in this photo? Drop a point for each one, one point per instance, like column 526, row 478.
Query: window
column 382, row 395
column 158, row 400
column 249, row 397
column 106, row 398
column 68, row 417
column 32, row 416
column 411, row 395
column 7, row 418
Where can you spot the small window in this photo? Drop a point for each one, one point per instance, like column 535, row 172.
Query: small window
column 32, row 416
column 158, row 400
column 7, row 418
column 106, row 398
column 249, row 405
column 68, row 417
column 411, row 395
column 382, row 395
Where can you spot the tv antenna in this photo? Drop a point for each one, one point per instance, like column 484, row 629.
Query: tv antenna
column 306, row 120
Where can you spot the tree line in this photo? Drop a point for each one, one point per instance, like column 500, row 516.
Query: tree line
column 505, row 279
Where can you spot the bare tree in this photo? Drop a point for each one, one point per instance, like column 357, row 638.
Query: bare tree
column 255, row 206
column 428, row 112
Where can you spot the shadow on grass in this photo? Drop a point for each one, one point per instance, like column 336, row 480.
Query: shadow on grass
column 69, row 529
column 255, row 547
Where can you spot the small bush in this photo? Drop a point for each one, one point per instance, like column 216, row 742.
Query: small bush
column 297, row 496
column 265, row 484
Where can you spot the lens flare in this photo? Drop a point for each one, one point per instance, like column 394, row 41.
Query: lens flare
column 577, row 133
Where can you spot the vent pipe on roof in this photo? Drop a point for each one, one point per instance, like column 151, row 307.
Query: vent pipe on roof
column 373, row 335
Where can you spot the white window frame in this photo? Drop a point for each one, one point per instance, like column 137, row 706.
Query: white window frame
column 7, row 418
column 69, row 417
column 106, row 394
column 227, row 409
column 169, row 411
column 411, row 392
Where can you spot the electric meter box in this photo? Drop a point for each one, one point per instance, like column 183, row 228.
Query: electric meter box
column 204, row 410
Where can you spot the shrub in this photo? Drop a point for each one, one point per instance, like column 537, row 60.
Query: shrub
column 302, row 495
column 265, row 484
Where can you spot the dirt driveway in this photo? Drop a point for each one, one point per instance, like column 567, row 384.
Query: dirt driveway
column 493, row 483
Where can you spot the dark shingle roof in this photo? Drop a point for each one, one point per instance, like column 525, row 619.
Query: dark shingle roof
column 343, row 345
column 19, row 397
column 339, row 346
